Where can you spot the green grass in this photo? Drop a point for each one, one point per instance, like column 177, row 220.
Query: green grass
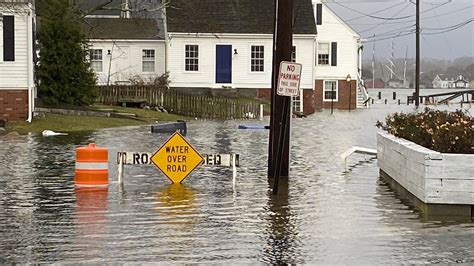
column 67, row 123
column 143, row 114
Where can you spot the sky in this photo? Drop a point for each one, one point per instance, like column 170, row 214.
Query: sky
column 389, row 18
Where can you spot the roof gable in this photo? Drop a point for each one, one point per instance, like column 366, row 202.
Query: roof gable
column 339, row 19
column 235, row 16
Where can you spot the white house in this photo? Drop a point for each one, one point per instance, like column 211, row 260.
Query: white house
column 338, row 59
column 125, row 49
column 439, row 83
column 17, row 89
column 447, row 83
column 461, row 83
column 230, row 45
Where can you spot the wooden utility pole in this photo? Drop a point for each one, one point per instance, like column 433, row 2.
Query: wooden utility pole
column 279, row 143
column 417, row 74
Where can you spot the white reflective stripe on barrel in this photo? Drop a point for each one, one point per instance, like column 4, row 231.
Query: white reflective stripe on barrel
column 82, row 185
column 92, row 166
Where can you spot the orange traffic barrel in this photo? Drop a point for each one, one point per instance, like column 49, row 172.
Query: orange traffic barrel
column 92, row 166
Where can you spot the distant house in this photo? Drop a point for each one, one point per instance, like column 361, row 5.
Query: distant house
column 229, row 44
column 461, row 83
column 17, row 88
column 374, row 83
column 124, row 49
column 338, row 55
column 447, row 83
column 439, row 83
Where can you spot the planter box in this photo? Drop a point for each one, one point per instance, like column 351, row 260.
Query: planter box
column 437, row 183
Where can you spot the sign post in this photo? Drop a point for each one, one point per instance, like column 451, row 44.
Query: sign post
column 279, row 137
column 289, row 78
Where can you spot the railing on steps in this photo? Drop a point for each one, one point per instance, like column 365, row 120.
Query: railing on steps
column 363, row 92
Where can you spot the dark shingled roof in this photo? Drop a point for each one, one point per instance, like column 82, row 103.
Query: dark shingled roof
column 235, row 16
column 121, row 28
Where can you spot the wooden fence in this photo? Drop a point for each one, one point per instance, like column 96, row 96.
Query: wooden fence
column 112, row 94
column 182, row 103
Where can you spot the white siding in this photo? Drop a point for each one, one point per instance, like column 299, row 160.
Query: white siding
column 14, row 74
column 242, row 76
column 126, row 59
column 334, row 29
column 305, row 53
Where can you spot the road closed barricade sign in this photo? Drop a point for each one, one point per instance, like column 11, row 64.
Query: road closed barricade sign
column 176, row 158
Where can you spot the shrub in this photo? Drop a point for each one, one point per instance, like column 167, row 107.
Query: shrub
column 159, row 81
column 442, row 131
column 63, row 73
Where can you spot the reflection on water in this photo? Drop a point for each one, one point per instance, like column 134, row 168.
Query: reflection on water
column 176, row 204
column 91, row 220
column 282, row 246
column 326, row 212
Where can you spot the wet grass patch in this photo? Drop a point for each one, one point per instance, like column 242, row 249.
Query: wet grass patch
column 71, row 123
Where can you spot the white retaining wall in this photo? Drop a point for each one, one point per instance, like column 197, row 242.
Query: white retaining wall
column 433, row 177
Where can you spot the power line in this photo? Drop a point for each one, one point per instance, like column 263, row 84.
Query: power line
column 391, row 18
column 443, row 30
column 411, row 20
column 383, row 22
column 451, row 28
column 369, row 15
column 407, row 29
column 391, row 37
column 379, row 11
column 391, row 32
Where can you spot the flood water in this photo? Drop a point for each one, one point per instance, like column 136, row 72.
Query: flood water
column 327, row 213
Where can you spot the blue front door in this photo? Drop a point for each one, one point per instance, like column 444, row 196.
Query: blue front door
column 223, row 63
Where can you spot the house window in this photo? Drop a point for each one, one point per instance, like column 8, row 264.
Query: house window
column 148, row 60
column 257, row 58
column 296, row 100
column 330, row 91
column 293, row 54
column 96, row 60
column 296, row 103
column 191, row 58
column 323, row 53
column 8, row 38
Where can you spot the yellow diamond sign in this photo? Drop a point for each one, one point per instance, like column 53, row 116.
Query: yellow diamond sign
column 177, row 158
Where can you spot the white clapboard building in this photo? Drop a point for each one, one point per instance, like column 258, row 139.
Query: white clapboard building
column 338, row 61
column 17, row 89
column 229, row 45
column 125, row 49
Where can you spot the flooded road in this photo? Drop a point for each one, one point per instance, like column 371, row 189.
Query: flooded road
column 327, row 213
